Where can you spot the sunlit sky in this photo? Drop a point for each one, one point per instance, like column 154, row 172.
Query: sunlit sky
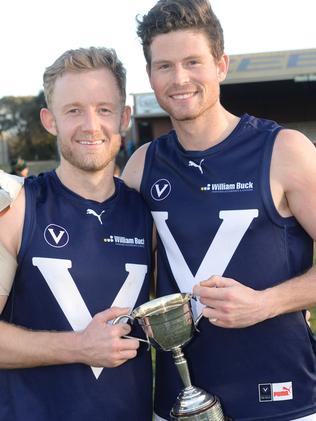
column 33, row 34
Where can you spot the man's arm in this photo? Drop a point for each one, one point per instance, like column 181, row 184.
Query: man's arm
column 133, row 171
column 293, row 185
column 99, row 344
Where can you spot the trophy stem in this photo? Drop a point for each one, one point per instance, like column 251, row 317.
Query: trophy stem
column 182, row 366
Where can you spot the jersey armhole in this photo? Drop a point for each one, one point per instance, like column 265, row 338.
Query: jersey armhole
column 29, row 221
column 147, row 165
column 268, row 202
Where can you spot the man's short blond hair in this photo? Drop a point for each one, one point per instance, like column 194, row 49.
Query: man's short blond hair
column 81, row 60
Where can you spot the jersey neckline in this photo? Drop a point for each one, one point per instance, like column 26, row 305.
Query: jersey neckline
column 213, row 149
column 81, row 200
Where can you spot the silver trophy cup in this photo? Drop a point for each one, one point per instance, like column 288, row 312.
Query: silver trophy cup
column 168, row 324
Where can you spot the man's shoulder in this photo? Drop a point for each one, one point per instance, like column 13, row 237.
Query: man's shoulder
column 258, row 123
column 133, row 171
column 292, row 143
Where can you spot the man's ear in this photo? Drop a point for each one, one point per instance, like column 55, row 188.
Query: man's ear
column 48, row 121
column 125, row 119
column 222, row 67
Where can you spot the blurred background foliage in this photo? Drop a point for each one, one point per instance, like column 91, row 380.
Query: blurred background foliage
column 20, row 126
column 313, row 320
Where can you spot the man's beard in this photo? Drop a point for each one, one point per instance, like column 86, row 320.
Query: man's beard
column 88, row 162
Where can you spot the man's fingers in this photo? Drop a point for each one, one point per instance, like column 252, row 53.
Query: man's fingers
column 126, row 350
column 129, row 344
column 122, row 357
column 120, row 329
column 213, row 281
column 108, row 316
column 218, row 282
column 213, row 288
column 127, row 354
column 211, row 296
column 210, row 313
column 112, row 313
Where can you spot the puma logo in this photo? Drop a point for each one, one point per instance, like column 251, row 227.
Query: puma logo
column 92, row 212
column 199, row 166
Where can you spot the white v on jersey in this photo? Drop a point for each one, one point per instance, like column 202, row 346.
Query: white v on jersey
column 71, row 267
column 218, row 218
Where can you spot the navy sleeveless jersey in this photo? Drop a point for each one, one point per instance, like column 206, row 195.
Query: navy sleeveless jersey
column 215, row 215
column 77, row 258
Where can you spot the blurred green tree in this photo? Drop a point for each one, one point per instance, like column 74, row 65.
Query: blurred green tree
column 20, row 122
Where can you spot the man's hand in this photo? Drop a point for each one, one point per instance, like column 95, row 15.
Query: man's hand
column 101, row 344
column 229, row 303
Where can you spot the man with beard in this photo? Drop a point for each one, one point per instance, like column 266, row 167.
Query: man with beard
column 234, row 202
column 63, row 274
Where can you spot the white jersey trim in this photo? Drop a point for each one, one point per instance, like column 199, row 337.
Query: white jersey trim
column 308, row 418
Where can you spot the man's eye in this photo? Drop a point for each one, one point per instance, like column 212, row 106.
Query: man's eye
column 74, row 111
column 104, row 111
column 164, row 66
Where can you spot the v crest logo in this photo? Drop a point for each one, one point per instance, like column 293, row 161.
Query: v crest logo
column 160, row 191
column 56, row 238
column 56, row 274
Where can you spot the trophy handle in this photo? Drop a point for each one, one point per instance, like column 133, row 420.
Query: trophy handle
column 196, row 322
column 132, row 319
column 199, row 317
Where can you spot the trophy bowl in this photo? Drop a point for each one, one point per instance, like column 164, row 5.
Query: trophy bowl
column 169, row 325
column 161, row 316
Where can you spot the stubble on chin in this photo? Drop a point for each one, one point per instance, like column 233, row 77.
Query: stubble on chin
column 89, row 162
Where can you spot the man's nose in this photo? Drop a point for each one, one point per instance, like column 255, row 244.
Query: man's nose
column 91, row 121
column 180, row 75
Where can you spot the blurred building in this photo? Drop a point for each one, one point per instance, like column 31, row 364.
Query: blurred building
column 280, row 86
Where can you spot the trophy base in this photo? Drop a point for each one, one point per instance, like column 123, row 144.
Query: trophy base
column 194, row 404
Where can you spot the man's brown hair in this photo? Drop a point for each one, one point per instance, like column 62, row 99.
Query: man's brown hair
column 174, row 15
column 81, row 60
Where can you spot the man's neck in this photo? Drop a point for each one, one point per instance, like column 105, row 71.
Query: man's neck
column 205, row 131
column 98, row 185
